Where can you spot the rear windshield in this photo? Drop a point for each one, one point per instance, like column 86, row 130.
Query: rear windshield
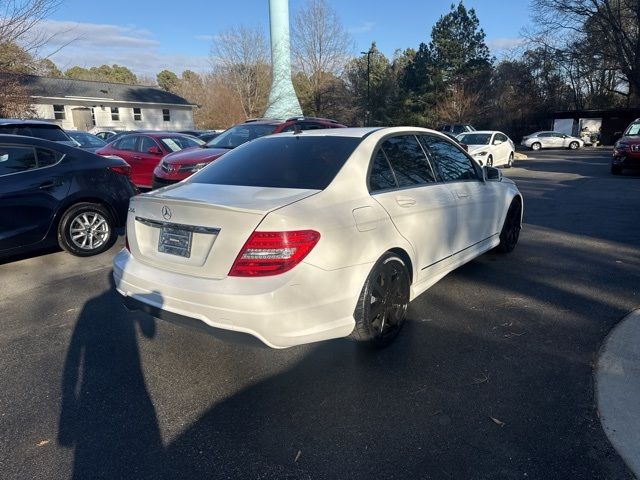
column 47, row 132
column 281, row 162
column 87, row 140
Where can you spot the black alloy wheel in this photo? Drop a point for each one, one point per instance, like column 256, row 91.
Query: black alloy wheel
column 511, row 229
column 383, row 302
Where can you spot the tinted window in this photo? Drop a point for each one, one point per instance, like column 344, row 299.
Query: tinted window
column 451, row 162
column 16, row 159
column 287, row 162
column 86, row 139
column 501, row 137
column 127, row 143
column 545, row 134
column 47, row 132
column 236, row 136
column 381, row 176
column 408, row 161
column 46, row 157
column 146, row 143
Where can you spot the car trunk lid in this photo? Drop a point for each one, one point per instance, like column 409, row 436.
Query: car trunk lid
column 199, row 229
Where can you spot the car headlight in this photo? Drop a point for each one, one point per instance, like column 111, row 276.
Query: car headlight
column 480, row 154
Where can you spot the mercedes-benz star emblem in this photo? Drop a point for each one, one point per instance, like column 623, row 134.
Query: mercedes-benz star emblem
column 166, row 213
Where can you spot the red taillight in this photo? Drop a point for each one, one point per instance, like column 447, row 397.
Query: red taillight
column 272, row 253
column 122, row 170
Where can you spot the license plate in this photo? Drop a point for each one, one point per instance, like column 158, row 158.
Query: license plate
column 175, row 241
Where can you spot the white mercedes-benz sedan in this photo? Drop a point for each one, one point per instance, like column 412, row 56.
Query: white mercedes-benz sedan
column 307, row 236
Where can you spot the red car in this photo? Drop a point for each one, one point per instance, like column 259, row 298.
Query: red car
column 143, row 151
column 180, row 165
column 626, row 152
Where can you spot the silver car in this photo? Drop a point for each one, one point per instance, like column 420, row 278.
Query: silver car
column 539, row 140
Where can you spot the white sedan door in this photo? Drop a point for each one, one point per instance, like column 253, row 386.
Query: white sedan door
column 477, row 200
column 502, row 148
column 422, row 209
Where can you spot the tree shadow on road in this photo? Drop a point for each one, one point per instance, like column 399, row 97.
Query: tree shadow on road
column 107, row 416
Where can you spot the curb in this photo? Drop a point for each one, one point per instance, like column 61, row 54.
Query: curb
column 617, row 389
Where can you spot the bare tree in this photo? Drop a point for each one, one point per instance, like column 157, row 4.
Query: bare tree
column 240, row 55
column 608, row 27
column 459, row 105
column 321, row 49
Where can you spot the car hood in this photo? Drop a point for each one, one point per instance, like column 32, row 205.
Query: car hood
column 195, row 155
column 630, row 140
column 478, row 148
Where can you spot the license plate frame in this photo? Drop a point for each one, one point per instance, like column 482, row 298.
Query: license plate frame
column 176, row 241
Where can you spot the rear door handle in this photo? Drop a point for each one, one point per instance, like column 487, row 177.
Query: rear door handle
column 137, row 157
column 406, row 201
column 50, row 184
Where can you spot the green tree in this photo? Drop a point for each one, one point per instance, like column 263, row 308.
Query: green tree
column 77, row 73
column 47, row 68
column 167, row 80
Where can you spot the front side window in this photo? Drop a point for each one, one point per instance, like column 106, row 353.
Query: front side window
column 58, row 112
column 137, row 114
column 115, row 114
column 501, row 137
column 146, row 143
column 166, row 115
column 281, row 162
column 451, row 161
column 408, row 161
column 381, row 176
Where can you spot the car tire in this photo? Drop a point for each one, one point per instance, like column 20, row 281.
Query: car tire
column 382, row 306
column 489, row 161
column 616, row 169
column 86, row 229
column 574, row 146
column 535, row 146
column 510, row 161
column 510, row 232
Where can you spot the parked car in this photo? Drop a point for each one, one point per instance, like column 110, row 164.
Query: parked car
column 107, row 134
column 208, row 136
column 144, row 151
column 626, row 151
column 457, row 129
column 52, row 193
column 36, row 129
column 180, row 165
column 489, row 147
column 455, row 139
column 539, row 140
column 86, row 140
column 297, row 238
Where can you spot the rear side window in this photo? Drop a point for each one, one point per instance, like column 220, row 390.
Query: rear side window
column 381, row 176
column 127, row 143
column 408, row 161
column 46, row 132
column 451, row 162
column 18, row 158
column 281, row 162
column 146, row 143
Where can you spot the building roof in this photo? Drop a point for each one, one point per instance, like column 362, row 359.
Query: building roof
column 605, row 113
column 61, row 87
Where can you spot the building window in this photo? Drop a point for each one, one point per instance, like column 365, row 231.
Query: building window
column 166, row 115
column 58, row 112
column 115, row 114
column 137, row 114
column 93, row 115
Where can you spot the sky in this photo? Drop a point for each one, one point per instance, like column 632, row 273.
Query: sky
column 147, row 36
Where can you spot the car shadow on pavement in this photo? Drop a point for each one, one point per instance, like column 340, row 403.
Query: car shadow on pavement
column 107, row 416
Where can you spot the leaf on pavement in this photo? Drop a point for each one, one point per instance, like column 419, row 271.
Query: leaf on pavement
column 498, row 422
column 297, row 456
column 42, row 443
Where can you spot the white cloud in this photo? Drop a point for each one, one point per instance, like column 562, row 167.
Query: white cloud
column 363, row 27
column 93, row 44
column 505, row 43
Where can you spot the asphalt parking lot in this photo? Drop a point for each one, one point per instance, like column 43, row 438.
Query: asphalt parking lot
column 492, row 376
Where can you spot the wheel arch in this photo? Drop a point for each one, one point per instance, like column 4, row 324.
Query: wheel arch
column 71, row 201
column 402, row 253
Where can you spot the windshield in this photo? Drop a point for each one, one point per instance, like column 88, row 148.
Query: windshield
column 47, row 132
column 281, row 162
column 87, row 140
column 236, row 136
column 475, row 138
column 634, row 129
column 179, row 143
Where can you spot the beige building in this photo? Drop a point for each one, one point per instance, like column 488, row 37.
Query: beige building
column 97, row 106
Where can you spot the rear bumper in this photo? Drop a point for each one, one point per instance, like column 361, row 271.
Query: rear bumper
column 304, row 305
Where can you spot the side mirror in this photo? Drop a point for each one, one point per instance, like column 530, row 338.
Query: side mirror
column 497, row 142
column 491, row 174
column 154, row 151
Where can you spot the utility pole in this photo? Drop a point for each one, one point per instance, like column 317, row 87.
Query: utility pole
column 367, row 113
